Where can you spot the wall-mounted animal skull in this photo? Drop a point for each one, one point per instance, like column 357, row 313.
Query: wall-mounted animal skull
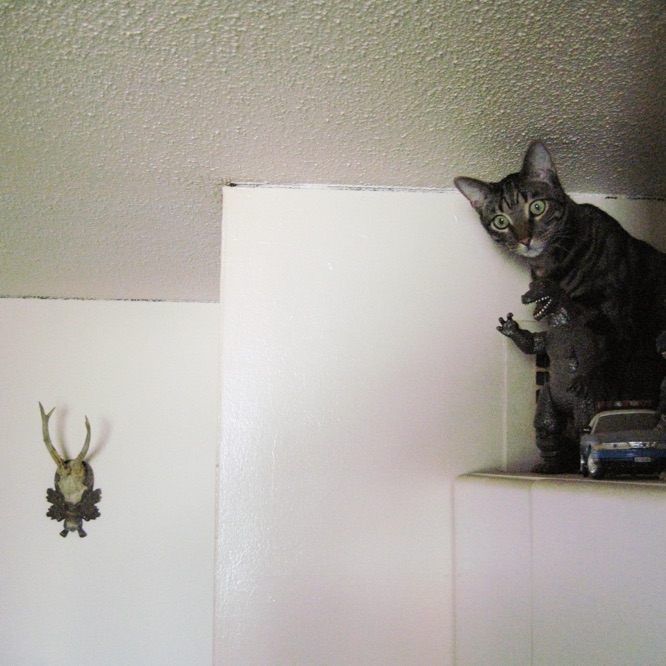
column 73, row 499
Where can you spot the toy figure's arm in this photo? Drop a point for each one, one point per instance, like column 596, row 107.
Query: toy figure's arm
column 526, row 341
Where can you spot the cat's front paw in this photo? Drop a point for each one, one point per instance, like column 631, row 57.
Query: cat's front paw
column 508, row 326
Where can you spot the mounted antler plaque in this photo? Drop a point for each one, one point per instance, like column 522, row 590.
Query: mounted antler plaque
column 73, row 500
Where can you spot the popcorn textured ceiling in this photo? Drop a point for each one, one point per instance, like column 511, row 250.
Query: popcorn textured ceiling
column 121, row 121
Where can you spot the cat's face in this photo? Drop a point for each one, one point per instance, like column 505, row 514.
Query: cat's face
column 525, row 210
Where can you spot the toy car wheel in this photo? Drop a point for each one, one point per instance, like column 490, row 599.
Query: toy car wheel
column 595, row 467
column 583, row 466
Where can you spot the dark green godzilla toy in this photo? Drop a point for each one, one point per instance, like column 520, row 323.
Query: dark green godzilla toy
column 73, row 500
column 578, row 357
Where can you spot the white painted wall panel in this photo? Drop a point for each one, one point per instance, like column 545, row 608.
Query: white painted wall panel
column 493, row 591
column 139, row 588
column 361, row 373
column 554, row 571
column 598, row 551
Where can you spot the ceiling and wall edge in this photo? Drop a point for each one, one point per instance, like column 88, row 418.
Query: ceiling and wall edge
column 120, row 123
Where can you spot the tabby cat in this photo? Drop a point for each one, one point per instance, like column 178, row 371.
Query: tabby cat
column 592, row 258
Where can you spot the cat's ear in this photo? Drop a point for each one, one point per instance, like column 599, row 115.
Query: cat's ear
column 538, row 164
column 475, row 191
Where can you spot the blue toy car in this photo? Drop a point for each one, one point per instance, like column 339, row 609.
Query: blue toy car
column 623, row 441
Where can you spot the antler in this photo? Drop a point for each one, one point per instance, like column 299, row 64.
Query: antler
column 86, row 444
column 49, row 445
column 47, row 438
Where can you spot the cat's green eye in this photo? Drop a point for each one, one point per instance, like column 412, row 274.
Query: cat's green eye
column 500, row 222
column 537, row 207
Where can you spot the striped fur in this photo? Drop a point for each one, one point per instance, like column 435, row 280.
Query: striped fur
column 582, row 248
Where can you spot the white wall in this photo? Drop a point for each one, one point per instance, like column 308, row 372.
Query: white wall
column 362, row 373
column 556, row 571
column 139, row 588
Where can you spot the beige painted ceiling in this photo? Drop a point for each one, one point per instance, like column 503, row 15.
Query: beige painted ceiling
column 120, row 121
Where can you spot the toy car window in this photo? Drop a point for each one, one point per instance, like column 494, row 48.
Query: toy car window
column 614, row 422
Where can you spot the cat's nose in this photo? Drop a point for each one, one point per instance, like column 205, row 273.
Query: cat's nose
column 525, row 241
